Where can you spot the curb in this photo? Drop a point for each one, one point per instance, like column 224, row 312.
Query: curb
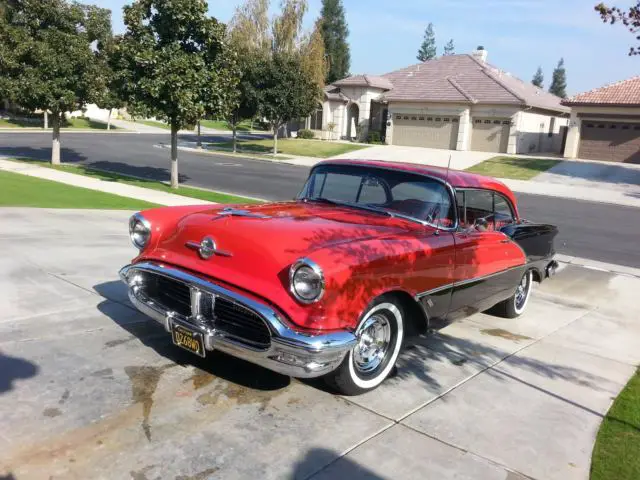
column 597, row 265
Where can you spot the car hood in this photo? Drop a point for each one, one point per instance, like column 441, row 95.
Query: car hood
column 259, row 243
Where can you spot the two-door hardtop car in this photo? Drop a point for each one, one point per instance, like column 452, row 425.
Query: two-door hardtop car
column 330, row 284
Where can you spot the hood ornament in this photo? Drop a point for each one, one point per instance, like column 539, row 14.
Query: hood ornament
column 207, row 248
column 236, row 212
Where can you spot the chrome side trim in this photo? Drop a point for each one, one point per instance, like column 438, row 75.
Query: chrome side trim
column 434, row 290
column 291, row 352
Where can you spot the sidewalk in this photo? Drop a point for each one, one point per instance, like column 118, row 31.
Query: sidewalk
column 122, row 189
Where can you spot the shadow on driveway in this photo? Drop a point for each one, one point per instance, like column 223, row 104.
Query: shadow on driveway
column 13, row 368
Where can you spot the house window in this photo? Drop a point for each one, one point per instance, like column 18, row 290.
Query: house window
column 438, row 119
column 398, row 117
column 626, row 127
column 590, row 125
column 455, row 120
column 487, row 121
column 316, row 119
column 429, row 119
column 406, row 117
column 496, row 122
column 477, row 121
column 637, row 127
column 414, row 118
column 421, row 118
column 613, row 126
column 506, row 122
column 600, row 126
column 446, row 119
column 552, row 126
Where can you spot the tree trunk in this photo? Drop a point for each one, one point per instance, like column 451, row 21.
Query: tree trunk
column 55, row 145
column 199, row 141
column 275, row 141
column 174, row 155
column 46, row 120
column 235, row 137
column 109, row 120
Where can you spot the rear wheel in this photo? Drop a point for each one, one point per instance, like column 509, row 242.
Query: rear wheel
column 515, row 305
column 379, row 334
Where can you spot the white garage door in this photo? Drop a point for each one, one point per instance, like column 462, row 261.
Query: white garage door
column 433, row 131
column 490, row 134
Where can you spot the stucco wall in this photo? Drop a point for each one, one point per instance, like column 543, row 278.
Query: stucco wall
column 534, row 129
column 581, row 113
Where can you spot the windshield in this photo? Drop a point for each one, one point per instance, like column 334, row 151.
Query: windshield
column 391, row 191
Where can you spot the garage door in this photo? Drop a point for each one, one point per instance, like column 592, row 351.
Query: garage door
column 490, row 134
column 610, row 141
column 425, row 131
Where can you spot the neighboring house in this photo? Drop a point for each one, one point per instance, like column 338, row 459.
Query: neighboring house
column 605, row 123
column 457, row 102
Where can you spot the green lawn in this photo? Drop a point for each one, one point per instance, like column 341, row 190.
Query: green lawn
column 511, row 167
column 291, row 146
column 245, row 125
column 207, row 195
column 72, row 123
column 616, row 455
column 17, row 190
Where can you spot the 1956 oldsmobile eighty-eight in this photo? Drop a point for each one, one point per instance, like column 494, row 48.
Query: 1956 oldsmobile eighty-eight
column 330, row 284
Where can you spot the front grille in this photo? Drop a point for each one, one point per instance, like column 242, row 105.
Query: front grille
column 173, row 295
column 241, row 322
column 230, row 318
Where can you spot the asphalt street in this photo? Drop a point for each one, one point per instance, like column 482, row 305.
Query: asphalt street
column 603, row 232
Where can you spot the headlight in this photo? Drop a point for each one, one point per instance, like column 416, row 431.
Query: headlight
column 306, row 281
column 139, row 231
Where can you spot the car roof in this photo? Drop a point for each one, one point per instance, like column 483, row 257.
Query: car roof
column 455, row 178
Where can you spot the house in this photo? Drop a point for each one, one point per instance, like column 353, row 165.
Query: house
column 605, row 123
column 457, row 102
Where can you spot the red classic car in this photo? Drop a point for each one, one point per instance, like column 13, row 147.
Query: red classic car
column 330, row 284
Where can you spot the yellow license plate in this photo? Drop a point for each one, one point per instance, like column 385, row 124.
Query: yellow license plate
column 188, row 339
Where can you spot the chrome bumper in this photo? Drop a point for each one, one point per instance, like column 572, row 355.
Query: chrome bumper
column 291, row 352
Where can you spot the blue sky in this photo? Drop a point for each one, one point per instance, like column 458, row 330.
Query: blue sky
column 519, row 35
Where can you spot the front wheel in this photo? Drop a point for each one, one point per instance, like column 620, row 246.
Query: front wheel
column 379, row 338
column 515, row 305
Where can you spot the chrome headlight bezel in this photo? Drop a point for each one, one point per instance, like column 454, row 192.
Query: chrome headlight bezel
column 139, row 231
column 306, row 265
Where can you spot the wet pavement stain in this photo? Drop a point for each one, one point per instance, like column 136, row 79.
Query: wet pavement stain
column 105, row 373
column 200, row 379
column 203, row 475
column 52, row 412
column 499, row 332
column 225, row 391
column 144, row 381
column 64, row 397
column 141, row 474
column 115, row 343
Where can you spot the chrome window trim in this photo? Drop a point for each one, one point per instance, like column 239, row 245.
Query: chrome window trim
column 516, row 219
column 447, row 185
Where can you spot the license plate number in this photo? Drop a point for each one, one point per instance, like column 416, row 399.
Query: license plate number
column 188, row 339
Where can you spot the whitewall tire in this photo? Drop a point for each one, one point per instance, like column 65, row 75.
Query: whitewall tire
column 380, row 333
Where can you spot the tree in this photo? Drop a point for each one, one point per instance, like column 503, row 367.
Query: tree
column 449, row 48
column 108, row 95
column 46, row 57
column 175, row 65
column 334, row 34
column 559, row 81
column 428, row 48
column 538, row 78
column 286, row 92
column 630, row 19
column 312, row 55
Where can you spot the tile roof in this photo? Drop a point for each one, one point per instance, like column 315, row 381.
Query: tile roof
column 463, row 79
column 333, row 93
column 365, row 81
column 626, row 92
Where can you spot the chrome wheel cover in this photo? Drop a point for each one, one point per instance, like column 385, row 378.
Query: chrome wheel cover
column 522, row 291
column 374, row 337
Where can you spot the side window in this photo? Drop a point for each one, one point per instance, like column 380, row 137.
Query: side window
column 479, row 205
column 503, row 212
column 426, row 200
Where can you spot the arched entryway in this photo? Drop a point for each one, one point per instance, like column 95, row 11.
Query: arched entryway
column 353, row 115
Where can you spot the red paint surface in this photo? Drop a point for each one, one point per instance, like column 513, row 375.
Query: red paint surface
column 362, row 254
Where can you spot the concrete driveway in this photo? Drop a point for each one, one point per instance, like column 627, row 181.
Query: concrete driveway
column 90, row 389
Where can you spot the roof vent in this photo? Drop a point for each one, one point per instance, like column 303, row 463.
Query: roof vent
column 480, row 54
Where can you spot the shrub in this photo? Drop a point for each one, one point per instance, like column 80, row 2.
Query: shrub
column 374, row 137
column 305, row 134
